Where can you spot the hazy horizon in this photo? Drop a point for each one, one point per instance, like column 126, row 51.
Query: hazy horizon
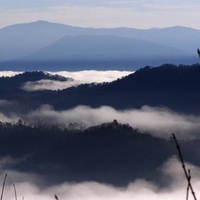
column 93, row 27
column 107, row 13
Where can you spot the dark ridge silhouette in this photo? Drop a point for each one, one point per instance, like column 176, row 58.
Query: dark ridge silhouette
column 175, row 87
column 109, row 153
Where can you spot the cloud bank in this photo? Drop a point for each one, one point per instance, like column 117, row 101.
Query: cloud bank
column 49, row 85
column 80, row 77
column 90, row 76
column 161, row 122
column 9, row 73
column 30, row 186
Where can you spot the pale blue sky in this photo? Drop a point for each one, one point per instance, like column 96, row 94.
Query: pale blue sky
column 103, row 13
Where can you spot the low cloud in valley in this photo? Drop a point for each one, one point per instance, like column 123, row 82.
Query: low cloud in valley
column 31, row 186
column 9, row 73
column 80, row 77
column 77, row 78
column 161, row 122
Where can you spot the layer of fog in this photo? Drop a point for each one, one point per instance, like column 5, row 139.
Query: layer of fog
column 90, row 76
column 80, row 77
column 160, row 122
column 9, row 73
column 30, row 186
column 49, row 85
column 5, row 103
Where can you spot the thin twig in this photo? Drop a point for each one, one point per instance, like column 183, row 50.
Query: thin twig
column 184, row 168
column 4, row 182
column 188, row 188
column 15, row 191
column 56, row 197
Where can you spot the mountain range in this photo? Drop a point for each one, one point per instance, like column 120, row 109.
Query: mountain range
column 45, row 43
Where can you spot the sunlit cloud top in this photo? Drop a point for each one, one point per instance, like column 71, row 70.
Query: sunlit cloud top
column 104, row 13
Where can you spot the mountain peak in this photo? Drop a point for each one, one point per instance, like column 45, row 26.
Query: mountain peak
column 40, row 22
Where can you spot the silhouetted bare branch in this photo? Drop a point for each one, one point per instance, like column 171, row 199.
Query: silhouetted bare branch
column 4, row 182
column 187, row 174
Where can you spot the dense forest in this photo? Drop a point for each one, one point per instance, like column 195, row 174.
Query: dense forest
column 110, row 153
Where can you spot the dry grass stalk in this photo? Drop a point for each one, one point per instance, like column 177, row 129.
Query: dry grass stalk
column 15, row 191
column 4, row 182
column 56, row 197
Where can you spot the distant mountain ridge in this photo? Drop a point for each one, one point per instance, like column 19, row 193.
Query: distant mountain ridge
column 25, row 40
column 90, row 47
